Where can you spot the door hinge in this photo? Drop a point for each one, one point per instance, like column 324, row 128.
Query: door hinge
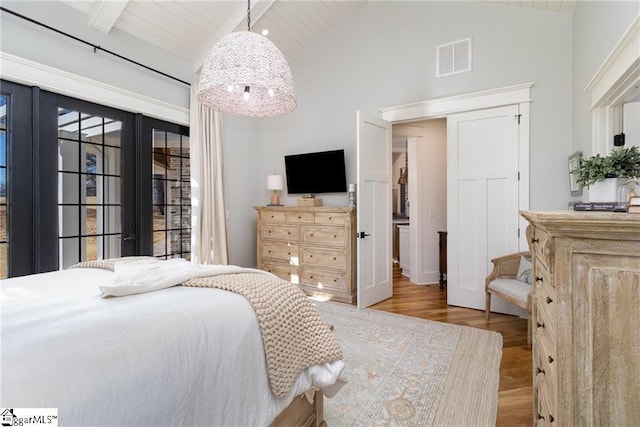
column 518, row 232
column 518, row 176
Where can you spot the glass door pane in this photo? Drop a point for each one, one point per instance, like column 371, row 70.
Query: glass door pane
column 89, row 187
column 171, row 193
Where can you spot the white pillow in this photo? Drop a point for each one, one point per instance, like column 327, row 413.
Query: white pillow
column 524, row 270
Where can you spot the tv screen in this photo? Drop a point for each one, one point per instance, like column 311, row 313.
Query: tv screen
column 321, row 172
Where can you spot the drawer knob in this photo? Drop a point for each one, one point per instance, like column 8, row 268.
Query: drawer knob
column 330, row 217
column 535, row 240
column 299, row 217
column 540, row 325
column 310, row 277
column 551, row 419
column 334, row 236
column 310, row 256
column 550, row 359
column 334, row 258
column 311, row 234
column 289, row 232
column 540, row 417
column 541, row 371
column 549, row 300
column 269, row 251
column 335, row 280
column 269, row 231
column 539, row 279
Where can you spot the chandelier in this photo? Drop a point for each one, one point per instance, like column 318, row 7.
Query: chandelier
column 247, row 75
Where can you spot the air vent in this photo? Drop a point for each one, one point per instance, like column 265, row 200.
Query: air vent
column 454, row 58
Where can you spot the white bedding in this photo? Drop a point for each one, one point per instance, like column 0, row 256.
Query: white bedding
column 177, row 356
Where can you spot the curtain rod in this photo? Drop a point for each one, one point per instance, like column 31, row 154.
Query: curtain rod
column 95, row 47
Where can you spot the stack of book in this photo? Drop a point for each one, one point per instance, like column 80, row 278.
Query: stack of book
column 634, row 205
column 595, row 206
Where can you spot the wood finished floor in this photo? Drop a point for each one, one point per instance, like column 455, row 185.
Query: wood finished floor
column 515, row 398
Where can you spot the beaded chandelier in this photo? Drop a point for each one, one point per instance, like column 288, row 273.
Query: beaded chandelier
column 247, row 75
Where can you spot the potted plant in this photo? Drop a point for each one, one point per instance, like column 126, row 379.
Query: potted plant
column 601, row 174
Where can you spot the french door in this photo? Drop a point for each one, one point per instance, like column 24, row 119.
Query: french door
column 77, row 180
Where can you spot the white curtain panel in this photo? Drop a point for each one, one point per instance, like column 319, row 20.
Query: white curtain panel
column 208, row 221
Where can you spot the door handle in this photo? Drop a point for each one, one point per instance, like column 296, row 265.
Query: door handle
column 129, row 237
column 362, row 235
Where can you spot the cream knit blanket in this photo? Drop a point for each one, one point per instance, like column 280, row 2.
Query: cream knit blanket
column 294, row 335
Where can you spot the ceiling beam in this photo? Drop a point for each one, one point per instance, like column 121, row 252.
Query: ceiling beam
column 239, row 23
column 105, row 13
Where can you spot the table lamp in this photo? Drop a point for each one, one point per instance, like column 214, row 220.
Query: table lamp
column 275, row 182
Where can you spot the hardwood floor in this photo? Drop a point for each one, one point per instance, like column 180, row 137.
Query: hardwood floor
column 515, row 397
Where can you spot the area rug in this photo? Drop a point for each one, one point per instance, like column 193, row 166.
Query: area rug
column 405, row 371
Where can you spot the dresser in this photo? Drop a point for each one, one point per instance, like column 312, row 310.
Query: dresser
column 314, row 247
column 586, row 318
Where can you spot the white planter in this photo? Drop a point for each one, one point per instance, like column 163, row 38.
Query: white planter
column 604, row 191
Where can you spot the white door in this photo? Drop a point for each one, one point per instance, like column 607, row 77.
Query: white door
column 375, row 272
column 482, row 201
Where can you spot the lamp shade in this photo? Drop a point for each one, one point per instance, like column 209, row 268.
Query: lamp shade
column 275, row 182
column 247, row 75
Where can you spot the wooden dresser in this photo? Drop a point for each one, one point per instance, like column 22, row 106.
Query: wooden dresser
column 314, row 247
column 586, row 318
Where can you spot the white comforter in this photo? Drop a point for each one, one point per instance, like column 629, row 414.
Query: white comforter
column 177, row 356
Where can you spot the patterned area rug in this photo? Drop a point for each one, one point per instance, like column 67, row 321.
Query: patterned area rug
column 405, row 371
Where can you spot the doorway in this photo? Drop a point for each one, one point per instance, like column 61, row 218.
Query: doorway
column 422, row 146
column 434, row 109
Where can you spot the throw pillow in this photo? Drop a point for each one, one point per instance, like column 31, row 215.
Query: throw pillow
column 524, row 270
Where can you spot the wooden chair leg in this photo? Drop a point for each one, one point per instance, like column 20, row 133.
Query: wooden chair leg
column 487, row 306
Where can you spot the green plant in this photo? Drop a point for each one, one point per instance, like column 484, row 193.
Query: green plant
column 621, row 163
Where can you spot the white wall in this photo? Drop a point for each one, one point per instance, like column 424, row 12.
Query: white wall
column 26, row 40
column 597, row 27
column 631, row 123
column 384, row 54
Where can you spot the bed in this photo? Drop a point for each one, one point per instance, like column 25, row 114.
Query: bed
column 176, row 355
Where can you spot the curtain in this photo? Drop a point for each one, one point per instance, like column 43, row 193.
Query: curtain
column 208, row 221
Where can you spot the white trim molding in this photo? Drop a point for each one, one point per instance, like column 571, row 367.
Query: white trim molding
column 441, row 107
column 621, row 67
column 612, row 85
column 24, row 71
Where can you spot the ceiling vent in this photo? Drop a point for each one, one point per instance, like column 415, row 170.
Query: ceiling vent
column 454, row 57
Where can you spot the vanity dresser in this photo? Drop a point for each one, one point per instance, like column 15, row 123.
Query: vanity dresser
column 586, row 318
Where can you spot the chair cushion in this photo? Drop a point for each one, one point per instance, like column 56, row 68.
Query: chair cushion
column 512, row 287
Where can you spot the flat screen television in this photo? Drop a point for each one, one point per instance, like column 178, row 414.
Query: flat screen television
column 320, row 172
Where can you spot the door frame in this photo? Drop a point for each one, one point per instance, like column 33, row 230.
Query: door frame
column 442, row 107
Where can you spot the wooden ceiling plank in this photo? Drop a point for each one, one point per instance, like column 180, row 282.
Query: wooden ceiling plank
column 105, row 13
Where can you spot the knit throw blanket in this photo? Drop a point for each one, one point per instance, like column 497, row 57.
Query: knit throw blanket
column 294, row 335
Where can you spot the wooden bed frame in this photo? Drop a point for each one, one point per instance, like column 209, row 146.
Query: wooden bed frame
column 301, row 413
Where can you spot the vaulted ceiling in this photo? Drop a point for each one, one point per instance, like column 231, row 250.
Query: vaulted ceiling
column 189, row 29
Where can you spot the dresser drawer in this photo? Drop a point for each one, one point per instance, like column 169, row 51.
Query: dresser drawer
column 280, row 232
column 334, row 258
column 267, row 216
column 290, row 273
column 301, row 217
column 331, row 236
column 545, row 300
column 542, row 245
column 280, row 251
column 325, row 279
column 542, row 277
column 330, row 218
